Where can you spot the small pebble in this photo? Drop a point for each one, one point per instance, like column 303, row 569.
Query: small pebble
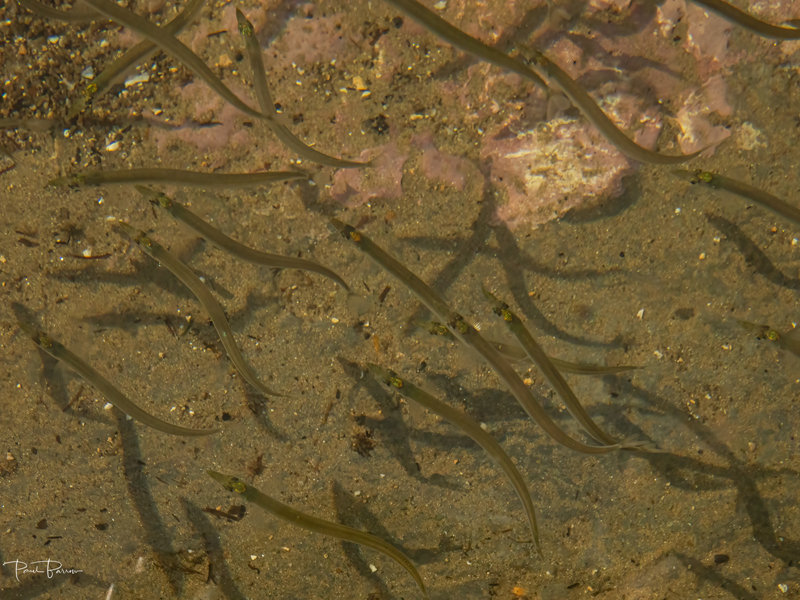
column 137, row 79
column 752, row 446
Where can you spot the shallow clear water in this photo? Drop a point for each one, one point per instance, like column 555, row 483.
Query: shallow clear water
column 642, row 270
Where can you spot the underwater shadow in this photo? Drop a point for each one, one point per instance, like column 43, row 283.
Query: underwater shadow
column 513, row 262
column 738, row 475
column 145, row 271
column 607, row 207
column 394, row 432
column 39, row 587
column 218, row 571
column 56, row 376
column 156, row 535
column 508, row 255
column 715, row 578
column 354, row 513
column 752, row 254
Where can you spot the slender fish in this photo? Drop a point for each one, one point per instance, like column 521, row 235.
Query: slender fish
column 138, row 54
column 473, row 430
column 226, row 244
column 76, row 15
column 598, row 118
column 175, row 48
column 743, row 19
column 267, row 106
column 517, row 353
column 469, row 336
column 316, row 525
column 206, row 298
column 548, row 369
column 32, row 124
column 789, row 340
column 743, row 190
column 572, row 90
column 455, row 37
column 178, row 177
column 104, row 386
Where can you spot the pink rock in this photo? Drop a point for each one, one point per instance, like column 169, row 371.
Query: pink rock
column 542, row 167
column 716, row 93
column 647, row 136
column 551, row 169
column 210, row 138
column 599, row 5
column 709, row 34
column 773, row 12
column 698, row 132
column 472, row 17
column 438, row 165
column 563, row 162
column 668, row 15
column 126, row 39
column 354, row 187
column 153, row 6
column 307, row 41
column 199, row 40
